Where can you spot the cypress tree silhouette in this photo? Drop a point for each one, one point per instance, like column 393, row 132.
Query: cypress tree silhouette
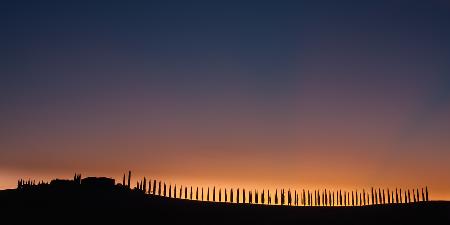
column 356, row 195
column 175, row 191
column 190, row 195
column 414, row 195
column 256, row 197
column 295, row 197
column 423, row 196
column 303, row 197
column 243, row 196
column 262, row 197
column 164, row 189
column 405, row 196
column 276, row 197
column 231, row 195
column 340, row 197
column 376, row 197
column 145, row 185
column 383, row 198
column 396, row 196
column 181, row 190
column 388, row 196
column 159, row 188
column 226, row 196
column 220, row 194
column 185, row 193
column 426, row 193
column 214, row 193
column 373, row 197
column 269, row 198
column 154, row 187
column 196, row 194
column 170, row 190
column 237, row 196
column 360, row 203
column 207, row 195
column 353, row 199
column 417, row 193
column 282, row 197
column 379, row 196
column 409, row 196
column 123, row 180
column 129, row 178
column 202, row 193
column 364, row 197
column 400, row 196
column 250, row 197
column 345, row 198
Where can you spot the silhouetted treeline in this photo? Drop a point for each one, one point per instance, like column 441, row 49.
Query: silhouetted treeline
column 282, row 196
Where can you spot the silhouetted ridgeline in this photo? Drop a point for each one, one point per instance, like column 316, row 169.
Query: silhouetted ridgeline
column 85, row 200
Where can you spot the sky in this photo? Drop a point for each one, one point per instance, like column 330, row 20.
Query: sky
column 256, row 94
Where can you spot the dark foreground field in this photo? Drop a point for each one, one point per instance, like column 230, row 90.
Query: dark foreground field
column 83, row 205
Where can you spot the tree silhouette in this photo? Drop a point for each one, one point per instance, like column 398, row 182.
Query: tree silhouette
column 164, row 193
column 145, row 185
column 159, row 188
column 175, row 191
column 226, row 197
column 426, row 193
column 262, row 197
column 207, row 195
column 400, row 196
column 129, row 178
column 250, row 199
column 190, row 195
column 256, row 197
column 181, row 190
column 170, row 190
column 237, row 196
column 276, row 197
column 220, row 194
column 202, row 193
column 396, row 196
column 423, row 196
column 243, row 195
column 196, row 194
column 231, row 195
column 214, row 193
column 185, row 193
column 269, row 198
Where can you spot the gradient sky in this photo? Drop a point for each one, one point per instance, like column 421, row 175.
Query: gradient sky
column 317, row 94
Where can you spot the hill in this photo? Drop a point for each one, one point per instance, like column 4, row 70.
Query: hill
column 90, row 204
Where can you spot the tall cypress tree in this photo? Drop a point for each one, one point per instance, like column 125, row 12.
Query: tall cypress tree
column 231, row 195
column 220, row 194
column 243, row 195
column 214, row 193
column 207, row 195
column 159, row 188
column 276, row 196
column 196, row 194
column 129, row 178
column 190, row 195
column 237, row 196
column 423, row 196
column 426, row 193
